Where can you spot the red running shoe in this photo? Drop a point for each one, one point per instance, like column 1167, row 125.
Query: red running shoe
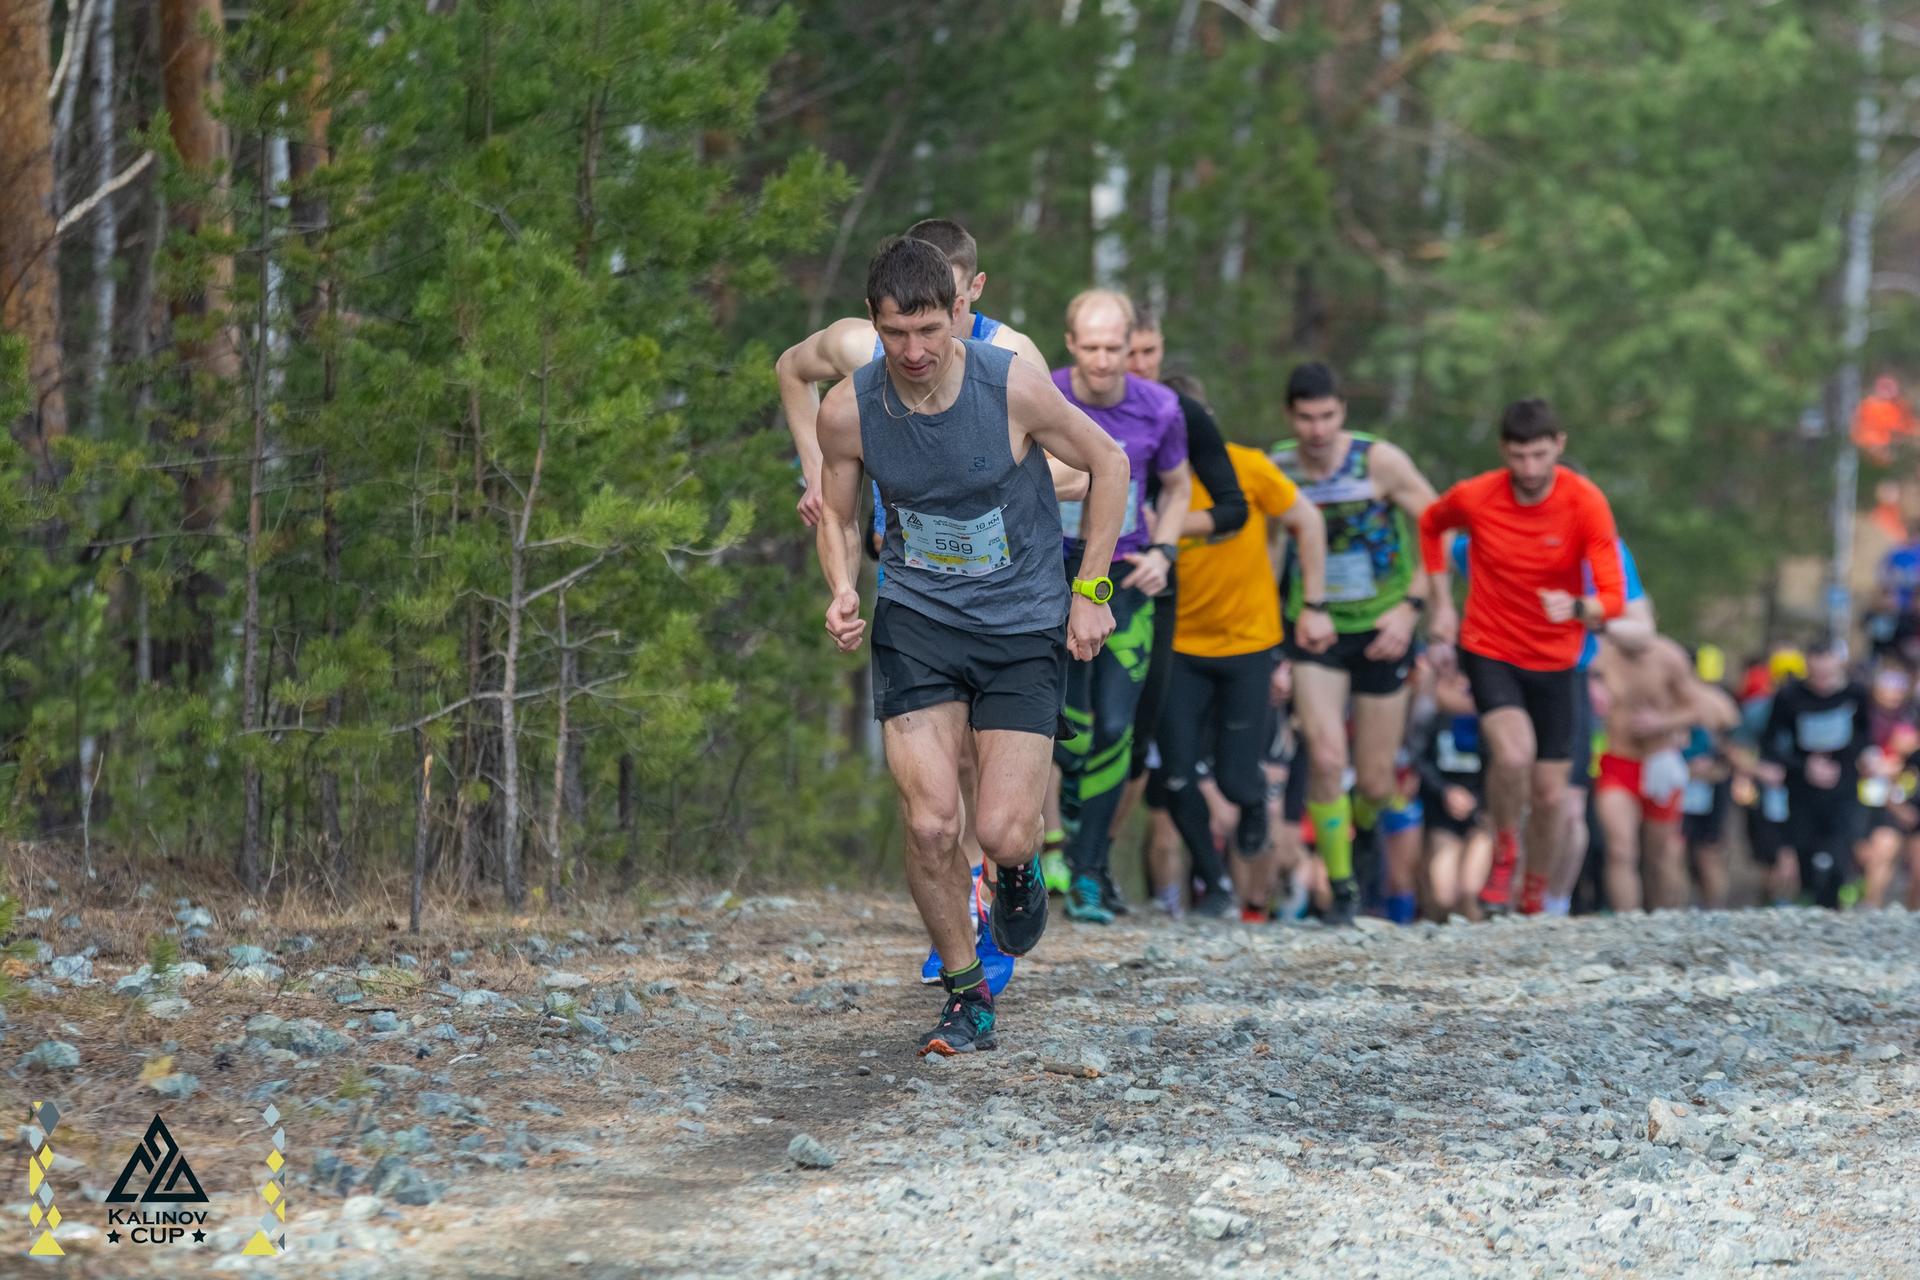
column 1533, row 894
column 1497, row 893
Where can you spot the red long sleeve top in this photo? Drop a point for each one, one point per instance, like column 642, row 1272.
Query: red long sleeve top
column 1517, row 552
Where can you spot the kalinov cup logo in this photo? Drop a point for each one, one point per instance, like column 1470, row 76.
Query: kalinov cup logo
column 157, row 1173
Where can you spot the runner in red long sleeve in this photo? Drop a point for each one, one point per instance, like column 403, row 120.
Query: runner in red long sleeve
column 1531, row 522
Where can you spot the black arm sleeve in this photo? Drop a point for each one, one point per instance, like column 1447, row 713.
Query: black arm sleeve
column 1777, row 740
column 1211, row 466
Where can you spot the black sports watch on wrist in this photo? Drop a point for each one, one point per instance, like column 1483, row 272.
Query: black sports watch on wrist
column 1317, row 606
column 1417, row 603
column 1166, row 549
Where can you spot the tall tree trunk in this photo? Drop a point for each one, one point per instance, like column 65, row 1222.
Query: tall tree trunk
column 250, row 710
column 556, row 854
column 106, row 224
column 1856, row 294
column 629, row 827
column 191, row 80
column 590, row 135
column 310, row 215
column 29, row 278
column 422, row 802
column 516, row 890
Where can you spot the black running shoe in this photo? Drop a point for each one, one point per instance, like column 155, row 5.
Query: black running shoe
column 966, row 1023
column 1110, row 896
column 1019, row 913
column 1346, row 902
column 1216, row 904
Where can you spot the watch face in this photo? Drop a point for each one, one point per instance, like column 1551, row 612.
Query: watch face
column 1103, row 591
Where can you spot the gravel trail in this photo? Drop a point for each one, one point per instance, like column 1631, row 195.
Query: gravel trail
column 1698, row 1095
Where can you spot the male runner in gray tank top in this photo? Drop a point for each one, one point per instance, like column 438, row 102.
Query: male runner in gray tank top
column 974, row 622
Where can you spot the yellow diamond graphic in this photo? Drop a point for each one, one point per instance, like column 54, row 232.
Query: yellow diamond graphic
column 46, row 1157
column 274, row 1162
column 53, row 1218
column 34, row 1177
column 33, row 1214
column 280, row 1211
column 271, row 1191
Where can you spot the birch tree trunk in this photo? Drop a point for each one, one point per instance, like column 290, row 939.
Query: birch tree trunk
column 106, row 226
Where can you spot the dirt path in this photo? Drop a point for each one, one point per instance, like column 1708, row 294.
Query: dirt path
column 1690, row 1095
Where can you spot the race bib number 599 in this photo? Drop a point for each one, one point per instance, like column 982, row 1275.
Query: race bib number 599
column 971, row 548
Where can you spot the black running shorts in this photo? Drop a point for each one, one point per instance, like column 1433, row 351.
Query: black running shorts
column 1546, row 696
column 1371, row 677
column 1015, row 682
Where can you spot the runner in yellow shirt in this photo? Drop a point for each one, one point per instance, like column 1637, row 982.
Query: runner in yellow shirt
column 1225, row 653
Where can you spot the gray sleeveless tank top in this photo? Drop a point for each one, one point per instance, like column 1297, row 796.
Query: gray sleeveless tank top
column 973, row 536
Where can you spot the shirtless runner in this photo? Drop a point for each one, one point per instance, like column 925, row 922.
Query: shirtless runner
column 1651, row 699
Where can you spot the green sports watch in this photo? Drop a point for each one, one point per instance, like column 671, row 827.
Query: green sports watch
column 1098, row 590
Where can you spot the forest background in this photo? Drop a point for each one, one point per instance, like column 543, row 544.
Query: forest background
column 395, row 485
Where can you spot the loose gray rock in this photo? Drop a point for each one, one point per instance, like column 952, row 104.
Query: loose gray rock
column 72, row 968
column 361, row 1207
column 1215, row 1223
column 809, row 1153
column 52, row 1055
column 179, row 1085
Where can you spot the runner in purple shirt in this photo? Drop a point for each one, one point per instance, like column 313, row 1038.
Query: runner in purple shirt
column 1149, row 425
column 1096, row 746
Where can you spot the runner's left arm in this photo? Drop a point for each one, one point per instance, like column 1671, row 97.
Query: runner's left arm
column 1068, row 485
column 1609, row 598
column 1401, row 484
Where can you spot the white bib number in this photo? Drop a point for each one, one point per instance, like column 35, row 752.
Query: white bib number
column 1073, row 509
column 970, row 548
column 1350, row 576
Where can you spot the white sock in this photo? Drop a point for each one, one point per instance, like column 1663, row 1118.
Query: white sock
column 1558, row 906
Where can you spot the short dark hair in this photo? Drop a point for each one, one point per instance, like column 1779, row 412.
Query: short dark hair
column 1312, row 381
column 911, row 272
column 1827, row 646
column 1145, row 321
column 1525, row 421
column 951, row 239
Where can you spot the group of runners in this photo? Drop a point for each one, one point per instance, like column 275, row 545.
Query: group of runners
column 1088, row 599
